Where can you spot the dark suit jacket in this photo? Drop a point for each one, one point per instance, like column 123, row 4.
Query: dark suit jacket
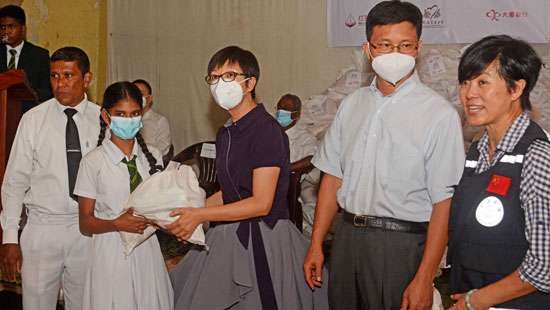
column 35, row 61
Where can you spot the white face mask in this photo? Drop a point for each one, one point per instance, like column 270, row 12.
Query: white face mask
column 393, row 67
column 227, row 94
column 143, row 101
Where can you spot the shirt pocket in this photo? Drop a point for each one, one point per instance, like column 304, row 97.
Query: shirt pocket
column 403, row 174
column 401, row 162
column 49, row 168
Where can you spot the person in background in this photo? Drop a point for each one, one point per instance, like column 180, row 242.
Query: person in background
column 41, row 173
column 156, row 129
column 390, row 161
column 17, row 53
column 302, row 146
column 499, row 229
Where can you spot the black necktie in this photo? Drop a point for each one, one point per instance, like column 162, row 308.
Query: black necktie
column 74, row 154
column 11, row 63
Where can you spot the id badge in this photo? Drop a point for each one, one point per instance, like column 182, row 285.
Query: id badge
column 490, row 212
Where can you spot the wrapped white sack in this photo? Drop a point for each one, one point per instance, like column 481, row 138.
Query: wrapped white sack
column 156, row 197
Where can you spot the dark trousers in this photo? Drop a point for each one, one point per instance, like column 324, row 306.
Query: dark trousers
column 371, row 268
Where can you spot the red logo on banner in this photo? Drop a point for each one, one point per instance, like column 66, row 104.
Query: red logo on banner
column 350, row 21
column 495, row 15
column 499, row 185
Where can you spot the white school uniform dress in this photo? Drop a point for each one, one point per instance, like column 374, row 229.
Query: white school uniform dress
column 54, row 251
column 114, row 280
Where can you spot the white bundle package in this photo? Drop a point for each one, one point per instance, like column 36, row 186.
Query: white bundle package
column 156, row 197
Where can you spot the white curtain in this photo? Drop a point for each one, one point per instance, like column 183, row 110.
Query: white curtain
column 169, row 43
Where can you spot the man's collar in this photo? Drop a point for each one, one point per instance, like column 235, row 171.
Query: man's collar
column 408, row 83
column 148, row 114
column 292, row 129
column 18, row 48
column 80, row 107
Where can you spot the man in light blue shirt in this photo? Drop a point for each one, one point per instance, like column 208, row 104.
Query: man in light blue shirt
column 391, row 159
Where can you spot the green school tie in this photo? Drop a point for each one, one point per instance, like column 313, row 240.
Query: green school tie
column 135, row 178
column 11, row 63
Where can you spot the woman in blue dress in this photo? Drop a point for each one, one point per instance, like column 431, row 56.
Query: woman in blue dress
column 255, row 254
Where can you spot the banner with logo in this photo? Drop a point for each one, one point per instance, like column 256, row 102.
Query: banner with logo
column 447, row 21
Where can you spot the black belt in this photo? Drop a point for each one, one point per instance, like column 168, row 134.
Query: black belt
column 386, row 223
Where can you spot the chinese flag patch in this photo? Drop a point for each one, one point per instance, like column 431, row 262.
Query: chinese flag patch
column 499, row 185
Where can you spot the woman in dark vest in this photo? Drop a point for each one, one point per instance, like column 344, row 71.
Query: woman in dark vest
column 499, row 228
column 255, row 254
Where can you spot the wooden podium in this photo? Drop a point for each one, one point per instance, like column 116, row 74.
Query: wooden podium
column 14, row 89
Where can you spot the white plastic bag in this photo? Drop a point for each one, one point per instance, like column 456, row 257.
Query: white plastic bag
column 156, row 197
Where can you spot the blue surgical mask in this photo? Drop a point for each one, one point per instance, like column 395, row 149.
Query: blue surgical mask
column 283, row 117
column 125, row 128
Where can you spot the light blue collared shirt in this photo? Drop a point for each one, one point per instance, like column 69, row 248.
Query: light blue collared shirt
column 397, row 155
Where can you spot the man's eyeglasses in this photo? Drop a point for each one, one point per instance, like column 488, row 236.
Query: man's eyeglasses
column 386, row 47
column 228, row 76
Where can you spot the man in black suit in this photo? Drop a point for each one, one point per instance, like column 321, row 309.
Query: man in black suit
column 16, row 53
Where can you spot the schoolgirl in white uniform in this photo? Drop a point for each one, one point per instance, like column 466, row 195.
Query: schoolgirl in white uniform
column 106, row 178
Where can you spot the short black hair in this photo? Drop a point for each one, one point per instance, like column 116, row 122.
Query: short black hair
column 515, row 59
column 393, row 12
column 15, row 12
column 236, row 55
column 71, row 53
column 145, row 83
column 294, row 99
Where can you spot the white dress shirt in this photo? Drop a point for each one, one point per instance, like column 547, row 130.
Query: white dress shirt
column 37, row 175
column 156, row 131
column 301, row 142
column 18, row 48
